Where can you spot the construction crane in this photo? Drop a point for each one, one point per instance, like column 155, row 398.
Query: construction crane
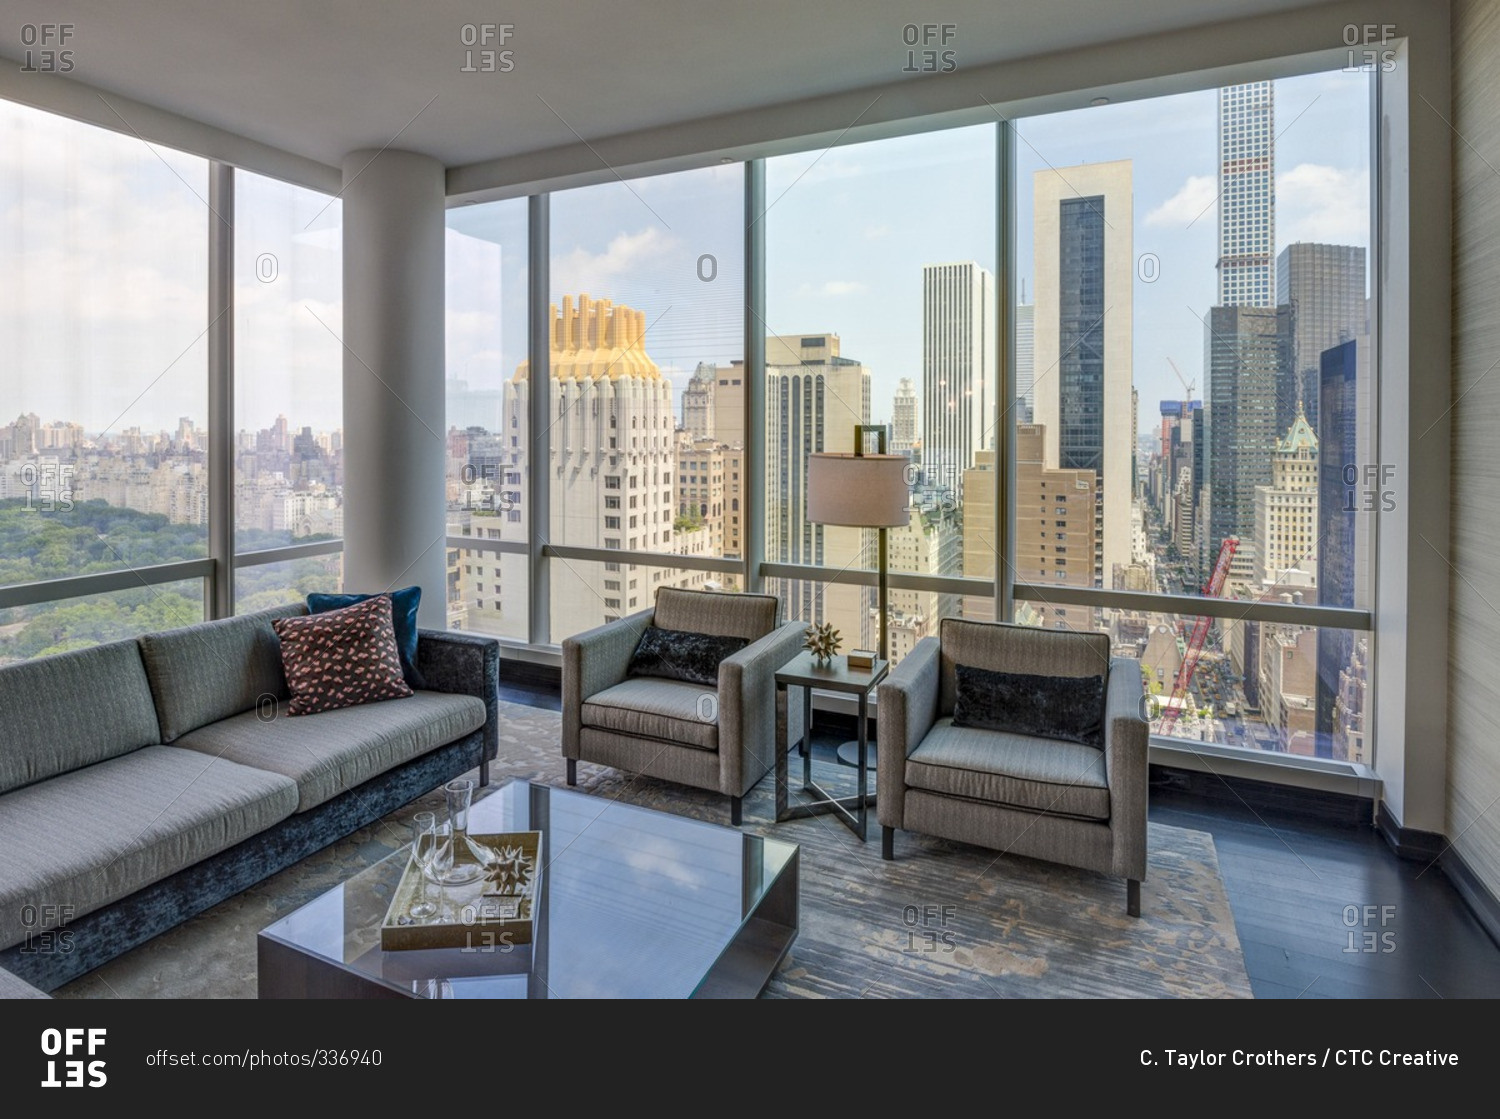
column 1188, row 386
column 1194, row 648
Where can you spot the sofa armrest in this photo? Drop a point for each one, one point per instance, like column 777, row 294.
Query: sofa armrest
column 464, row 664
column 906, row 706
column 596, row 659
column 747, row 707
column 1126, row 751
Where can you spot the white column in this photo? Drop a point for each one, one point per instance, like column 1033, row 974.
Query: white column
column 394, row 506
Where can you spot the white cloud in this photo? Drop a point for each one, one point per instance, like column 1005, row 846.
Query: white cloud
column 1195, row 201
column 832, row 288
column 627, row 255
column 1315, row 202
column 875, row 232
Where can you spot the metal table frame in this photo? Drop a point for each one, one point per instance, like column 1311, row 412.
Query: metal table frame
column 803, row 672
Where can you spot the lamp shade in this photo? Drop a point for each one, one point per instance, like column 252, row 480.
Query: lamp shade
column 863, row 491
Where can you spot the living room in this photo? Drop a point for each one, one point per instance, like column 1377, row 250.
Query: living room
column 979, row 506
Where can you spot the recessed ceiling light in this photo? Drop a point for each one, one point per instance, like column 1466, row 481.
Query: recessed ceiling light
column 1100, row 101
column 726, row 159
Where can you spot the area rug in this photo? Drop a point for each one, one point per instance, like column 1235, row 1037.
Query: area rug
column 943, row 920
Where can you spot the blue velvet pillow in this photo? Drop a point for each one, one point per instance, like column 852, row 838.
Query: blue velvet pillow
column 1066, row 708
column 404, row 605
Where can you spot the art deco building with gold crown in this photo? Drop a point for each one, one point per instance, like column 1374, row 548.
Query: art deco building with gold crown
column 611, row 462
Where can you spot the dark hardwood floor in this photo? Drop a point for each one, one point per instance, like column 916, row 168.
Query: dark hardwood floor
column 1323, row 909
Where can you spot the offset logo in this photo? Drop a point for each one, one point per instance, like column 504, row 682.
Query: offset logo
column 74, row 1070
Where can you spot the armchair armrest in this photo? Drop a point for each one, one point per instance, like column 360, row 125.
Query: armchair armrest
column 1126, row 750
column 596, row 659
column 464, row 664
column 747, row 707
column 906, row 706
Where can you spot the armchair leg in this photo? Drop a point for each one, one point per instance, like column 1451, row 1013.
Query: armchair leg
column 572, row 771
column 887, row 843
column 736, row 811
column 1133, row 897
column 484, row 773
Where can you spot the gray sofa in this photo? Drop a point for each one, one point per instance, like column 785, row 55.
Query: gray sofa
column 144, row 781
column 721, row 738
column 1060, row 801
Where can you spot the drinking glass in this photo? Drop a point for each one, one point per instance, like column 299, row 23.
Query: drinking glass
column 423, row 847
column 442, row 865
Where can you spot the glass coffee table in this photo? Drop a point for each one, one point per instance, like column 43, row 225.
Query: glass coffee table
column 632, row 903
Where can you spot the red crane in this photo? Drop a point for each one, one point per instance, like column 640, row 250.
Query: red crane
column 1194, row 648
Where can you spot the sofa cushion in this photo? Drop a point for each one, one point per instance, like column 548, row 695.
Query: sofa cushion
column 90, row 837
column 674, row 654
column 1007, row 647
column 73, row 709
column 1066, row 708
column 404, row 606
column 722, row 613
column 342, row 658
column 207, row 672
column 327, row 753
column 667, row 710
column 1059, row 778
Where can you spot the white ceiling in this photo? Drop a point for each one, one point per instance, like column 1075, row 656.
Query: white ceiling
column 321, row 78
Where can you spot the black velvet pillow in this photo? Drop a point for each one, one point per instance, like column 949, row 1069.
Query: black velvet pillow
column 675, row 654
column 1067, row 708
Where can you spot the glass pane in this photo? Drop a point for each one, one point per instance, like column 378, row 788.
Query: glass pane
column 595, row 593
column 648, row 384
column 489, row 449
column 881, row 295
column 103, row 371
column 1263, row 686
column 289, row 363
column 487, row 591
column 77, row 623
column 285, row 582
column 1194, row 410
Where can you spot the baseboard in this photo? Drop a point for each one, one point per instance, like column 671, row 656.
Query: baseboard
column 531, row 674
column 1264, row 796
column 1408, row 843
column 1484, row 905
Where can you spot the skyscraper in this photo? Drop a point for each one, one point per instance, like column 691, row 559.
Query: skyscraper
column 904, row 418
column 1025, row 363
column 814, row 400
column 959, row 357
column 1286, row 511
column 698, row 401
column 1084, row 270
column 612, row 456
column 1324, row 285
column 1340, row 681
column 1247, row 198
column 1244, row 353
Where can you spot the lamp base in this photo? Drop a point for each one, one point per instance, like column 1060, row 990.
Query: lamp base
column 848, row 753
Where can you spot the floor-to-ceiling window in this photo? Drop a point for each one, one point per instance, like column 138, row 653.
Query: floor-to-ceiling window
column 1193, row 401
column 881, row 309
column 103, row 389
column 489, row 446
column 288, row 392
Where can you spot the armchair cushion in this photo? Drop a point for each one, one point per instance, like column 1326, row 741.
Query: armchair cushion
column 1015, row 770
column 667, row 710
column 1066, row 708
column 750, row 616
column 680, row 655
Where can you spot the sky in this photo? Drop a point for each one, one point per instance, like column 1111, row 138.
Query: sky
column 103, row 290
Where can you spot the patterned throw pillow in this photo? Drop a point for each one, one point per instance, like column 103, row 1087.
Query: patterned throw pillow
column 1065, row 708
column 341, row 658
column 679, row 655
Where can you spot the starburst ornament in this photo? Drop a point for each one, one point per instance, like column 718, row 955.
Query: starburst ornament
column 823, row 642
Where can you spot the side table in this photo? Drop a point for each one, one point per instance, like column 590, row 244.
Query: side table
column 805, row 673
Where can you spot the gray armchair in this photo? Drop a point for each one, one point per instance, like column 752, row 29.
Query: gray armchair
column 1059, row 801
column 722, row 739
